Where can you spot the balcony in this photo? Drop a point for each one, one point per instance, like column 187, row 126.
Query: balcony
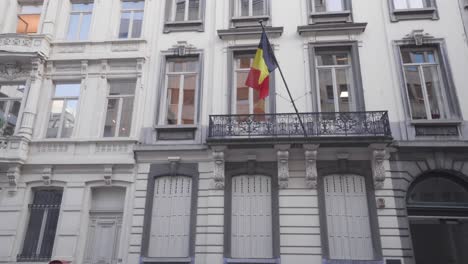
column 350, row 127
column 21, row 43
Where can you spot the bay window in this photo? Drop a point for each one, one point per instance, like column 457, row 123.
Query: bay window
column 10, row 105
column 28, row 18
column 63, row 110
column 80, row 20
column 131, row 19
column 119, row 109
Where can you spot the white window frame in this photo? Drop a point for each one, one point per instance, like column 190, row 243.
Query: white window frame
column 408, row 5
column 238, row 9
column 80, row 24
column 344, row 4
column 9, row 101
column 130, row 25
column 333, row 69
column 238, row 70
column 120, row 97
column 181, row 92
column 65, row 99
column 172, row 15
column 441, row 99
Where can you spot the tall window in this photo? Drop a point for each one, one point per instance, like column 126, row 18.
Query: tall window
column 335, row 81
column 80, row 21
column 119, row 109
column 43, row 217
column 184, row 10
column 412, row 4
column 63, row 110
column 131, row 19
column 10, row 105
column 328, row 6
column 246, row 8
column 251, row 227
column 347, row 215
column 28, row 18
column 170, row 220
column 246, row 99
column 181, row 94
column 424, row 83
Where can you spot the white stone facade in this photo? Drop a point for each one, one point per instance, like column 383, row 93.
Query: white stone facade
column 85, row 166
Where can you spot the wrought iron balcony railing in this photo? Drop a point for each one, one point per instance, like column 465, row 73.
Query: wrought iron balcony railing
column 343, row 124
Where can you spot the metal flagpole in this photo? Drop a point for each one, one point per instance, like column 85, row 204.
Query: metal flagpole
column 285, row 83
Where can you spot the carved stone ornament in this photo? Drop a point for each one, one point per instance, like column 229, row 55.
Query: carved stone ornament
column 13, row 174
column 182, row 48
column 218, row 175
column 173, row 165
column 378, row 167
column 310, row 154
column 283, row 168
column 108, row 172
column 418, row 37
column 47, row 175
column 12, row 71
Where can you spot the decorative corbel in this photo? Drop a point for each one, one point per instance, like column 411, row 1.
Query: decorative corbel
column 378, row 166
column 47, row 175
column 418, row 37
column 104, row 69
column 182, row 48
column 310, row 154
column 173, row 165
column 139, row 71
column 218, row 174
column 49, row 69
column 283, row 168
column 37, row 70
column 13, row 175
column 108, row 172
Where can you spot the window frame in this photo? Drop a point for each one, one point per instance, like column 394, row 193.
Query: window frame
column 132, row 12
column 9, row 101
column 22, row 3
column 353, row 50
column 344, row 16
column 251, row 167
column 120, row 100
column 64, row 99
column 77, row 34
column 170, row 25
column 166, row 170
column 413, row 13
column 238, row 21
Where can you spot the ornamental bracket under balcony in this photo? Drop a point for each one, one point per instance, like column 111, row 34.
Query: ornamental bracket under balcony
column 332, row 129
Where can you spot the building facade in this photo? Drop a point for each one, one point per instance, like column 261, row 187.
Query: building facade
column 129, row 136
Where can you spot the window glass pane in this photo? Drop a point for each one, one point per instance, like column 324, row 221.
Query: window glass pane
column 122, row 88
column 54, row 119
column 133, row 5
column 194, row 7
column 137, row 24
column 258, row 7
column 11, row 118
column 111, row 117
column 179, row 10
column 438, row 189
column 259, row 105
column 244, row 63
column 126, row 117
column 244, row 8
column 242, row 100
column 69, row 118
column 82, row 7
column 345, row 95
column 27, row 24
column 319, row 6
column 334, row 5
column 434, row 92
column 73, row 26
column 85, row 23
column 3, row 113
column 430, row 57
column 416, row 3
column 325, row 59
column 31, row 9
column 415, row 93
column 188, row 107
column 124, row 24
column 11, row 91
column 173, row 99
column 327, row 97
column 49, row 232
column 342, row 59
column 66, row 90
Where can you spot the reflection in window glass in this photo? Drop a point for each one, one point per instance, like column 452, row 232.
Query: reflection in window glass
column 328, row 5
column 28, row 19
column 119, row 108
column 80, row 21
column 131, row 19
column 10, row 105
column 63, row 111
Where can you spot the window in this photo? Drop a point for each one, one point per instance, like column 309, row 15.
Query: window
column 412, row 4
column 63, row 111
column 119, row 109
column 249, row 8
column 80, row 21
column 10, row 105
column 105, row 224
column 424, row 84
column 181, row 90
column 43, row 218
column 184, row 10
column 413, row 9
column 329, row 6
column 347, row 218
column 131, row 19
column 246, row 99
column 335, row 81
column 170, row 219
column 28, row 18
column 251, row 216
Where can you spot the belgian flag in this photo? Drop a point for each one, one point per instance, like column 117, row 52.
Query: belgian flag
column 264, row 63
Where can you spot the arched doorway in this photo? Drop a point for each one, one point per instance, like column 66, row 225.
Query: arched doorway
column 437, row 204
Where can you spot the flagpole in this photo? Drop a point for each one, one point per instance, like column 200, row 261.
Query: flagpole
column 285, row 84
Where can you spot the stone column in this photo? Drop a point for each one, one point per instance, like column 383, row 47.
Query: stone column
column 30, row 109
column 50, row 17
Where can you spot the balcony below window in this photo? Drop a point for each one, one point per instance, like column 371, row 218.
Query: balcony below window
column 351, row 127
column 13, row 149
column 18, row 43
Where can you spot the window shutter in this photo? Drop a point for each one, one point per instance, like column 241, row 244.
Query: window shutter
column 251, row 231
column 170, row 224
column 349, row 235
